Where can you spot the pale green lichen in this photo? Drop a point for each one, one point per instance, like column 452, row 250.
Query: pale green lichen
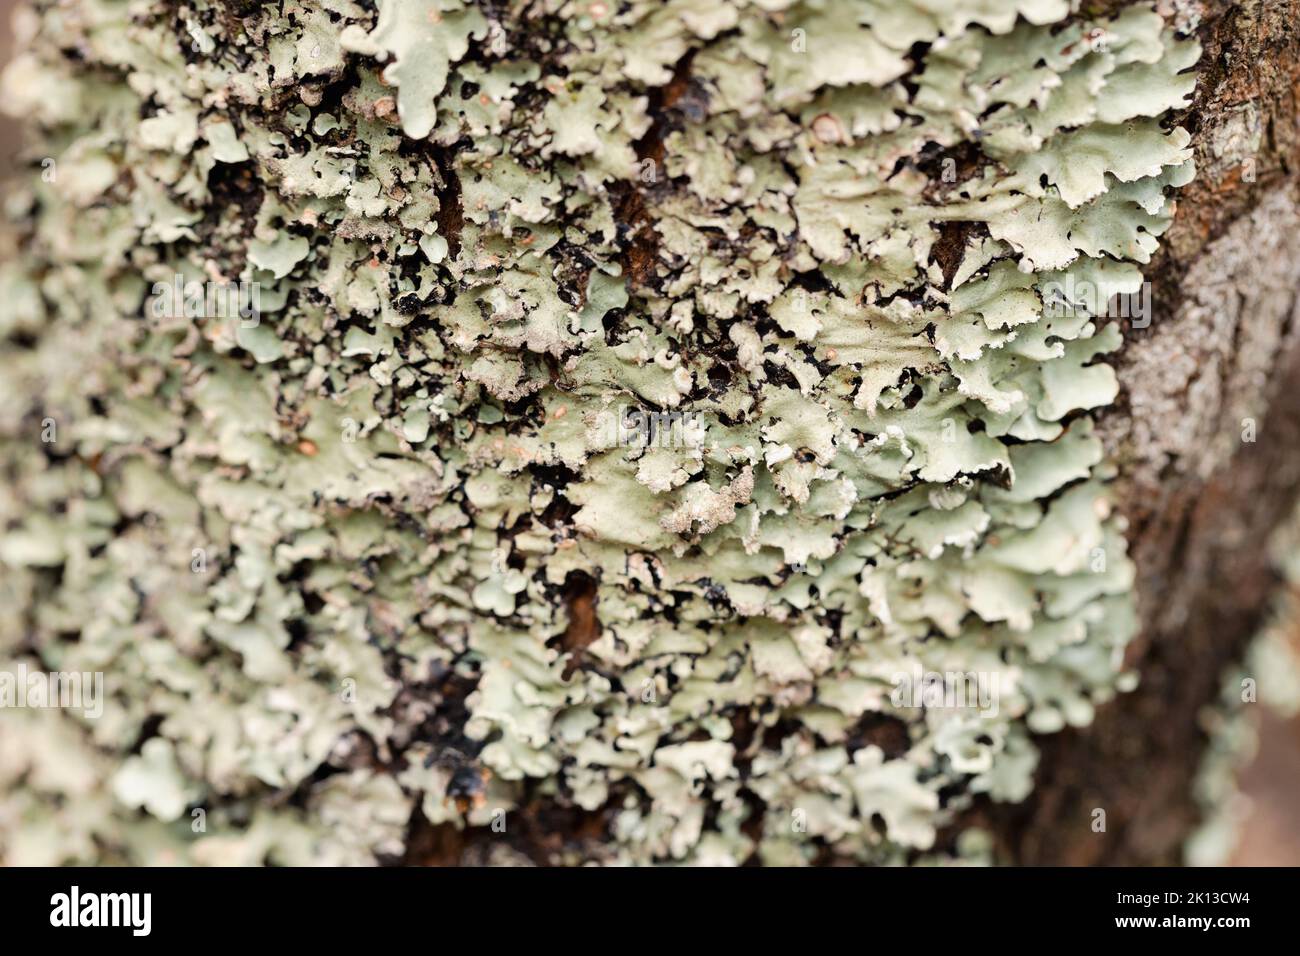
column 821, row 274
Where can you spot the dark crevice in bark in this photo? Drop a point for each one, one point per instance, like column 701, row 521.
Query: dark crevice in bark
column 667, row 106
column 540, row 832
column 950, row 247
column 432, row 845
column 583, row 627
column 451, row 211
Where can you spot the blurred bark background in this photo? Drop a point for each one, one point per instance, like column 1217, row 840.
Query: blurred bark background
column 8, row 131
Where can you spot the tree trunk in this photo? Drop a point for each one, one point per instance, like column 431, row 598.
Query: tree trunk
column 543, row 432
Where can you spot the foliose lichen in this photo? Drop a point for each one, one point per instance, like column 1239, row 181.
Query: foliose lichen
column 630, row 407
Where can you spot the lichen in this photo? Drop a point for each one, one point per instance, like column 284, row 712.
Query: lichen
column 635, row 392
